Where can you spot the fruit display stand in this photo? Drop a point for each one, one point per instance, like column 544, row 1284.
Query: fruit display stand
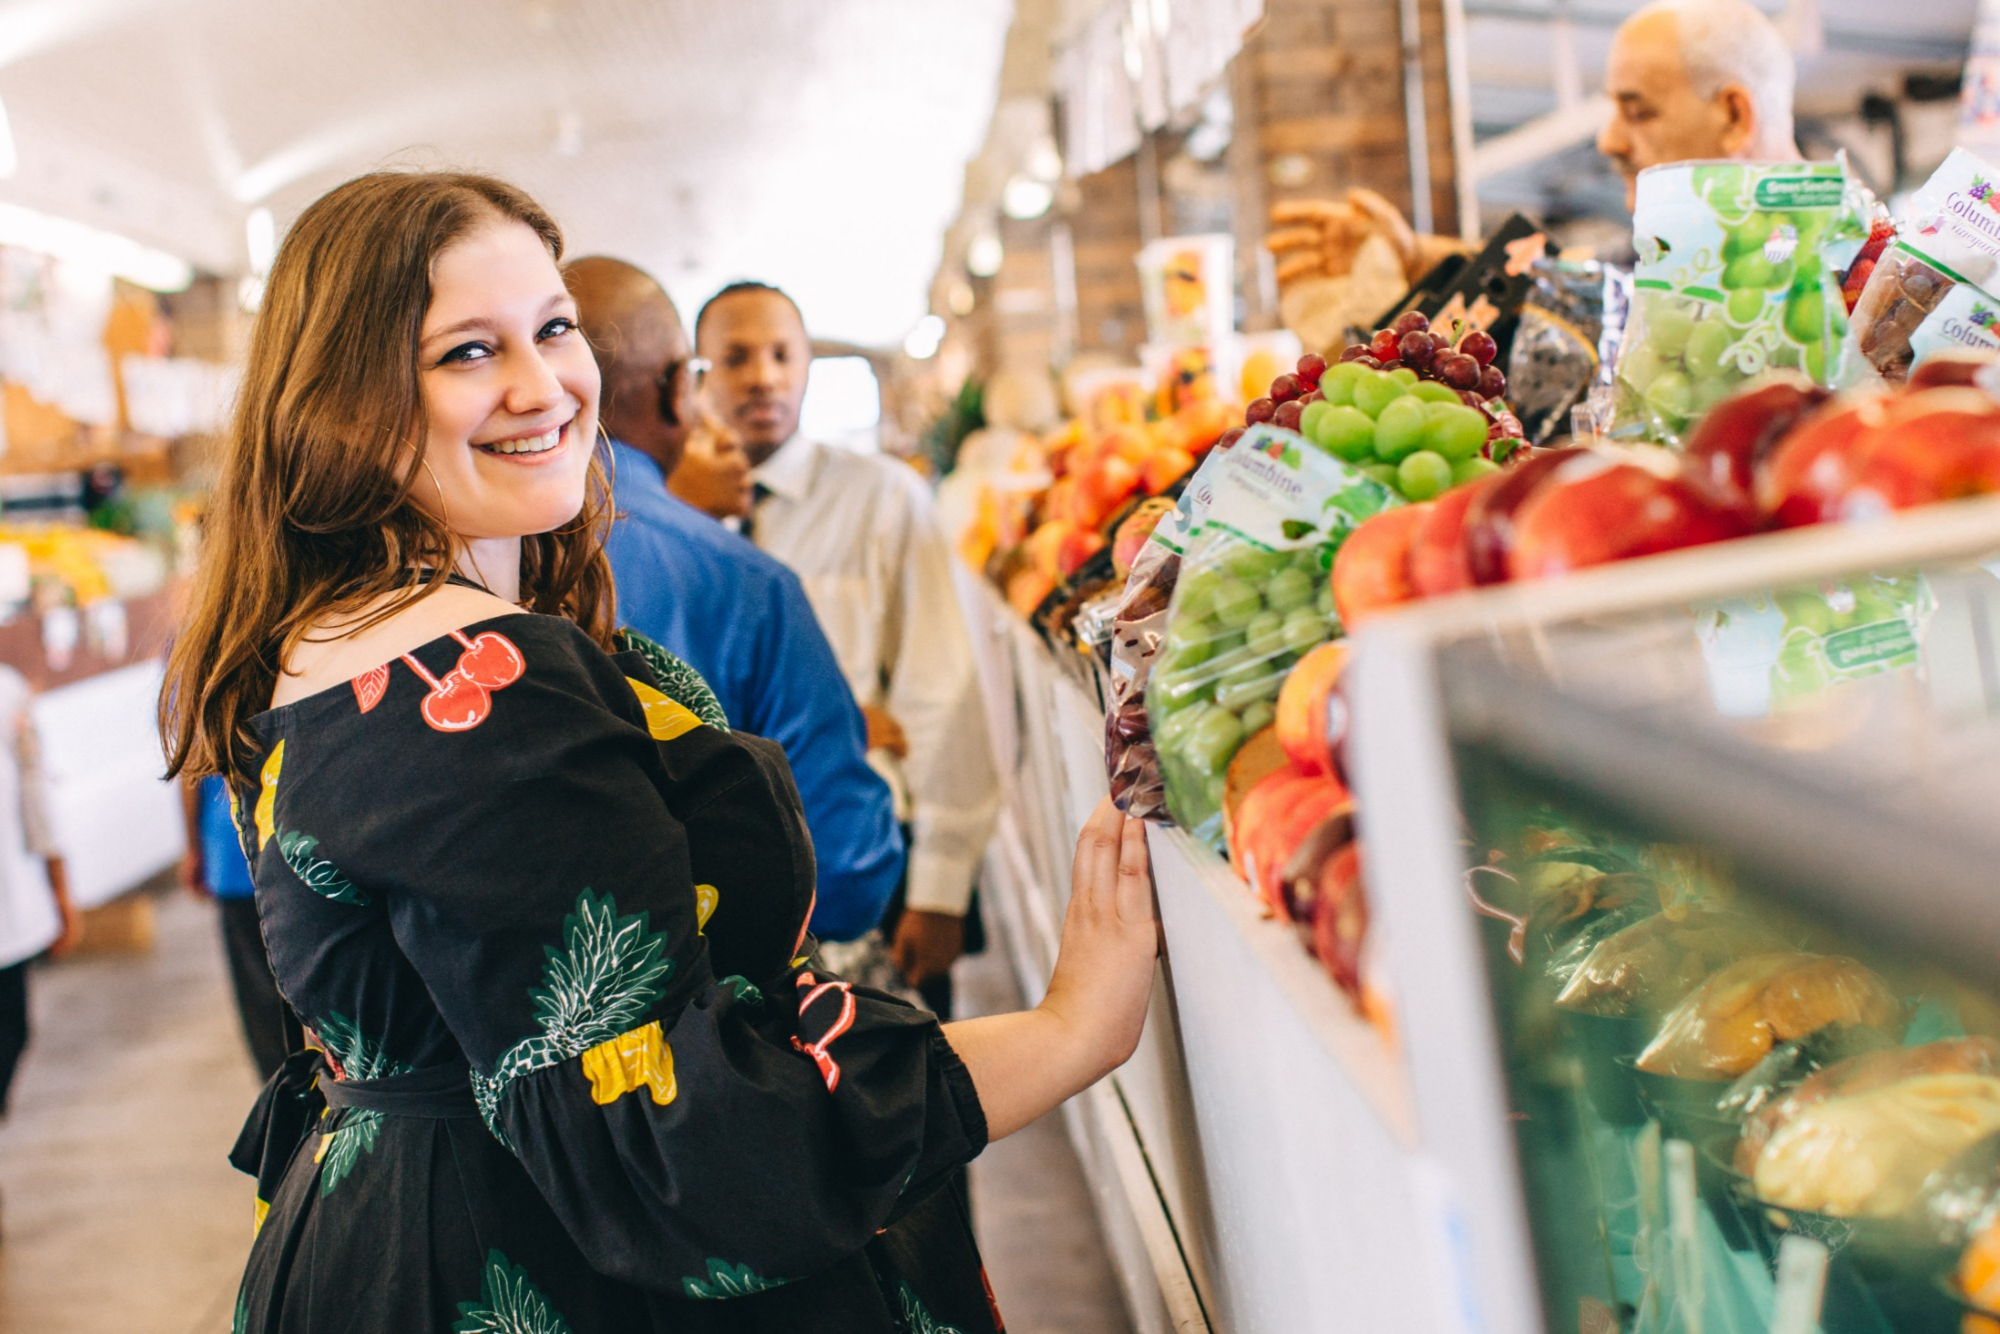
column 1249, row 1164
column 1610, row 1192
column 1267, row 1161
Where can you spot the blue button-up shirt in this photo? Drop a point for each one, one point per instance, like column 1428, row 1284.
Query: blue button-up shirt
column 741, row 619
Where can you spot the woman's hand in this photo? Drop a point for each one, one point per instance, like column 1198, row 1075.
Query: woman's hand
column 1025, row 1064
column 1103, row 977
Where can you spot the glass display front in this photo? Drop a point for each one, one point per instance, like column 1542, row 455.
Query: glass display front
column 1733, row 1112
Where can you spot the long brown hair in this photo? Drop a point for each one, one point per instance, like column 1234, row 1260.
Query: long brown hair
column 312, row 517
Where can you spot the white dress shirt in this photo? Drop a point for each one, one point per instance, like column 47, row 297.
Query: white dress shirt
column 860, row 533
column 29, row 922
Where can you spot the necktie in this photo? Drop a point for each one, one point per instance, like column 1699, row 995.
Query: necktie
column 758, row 493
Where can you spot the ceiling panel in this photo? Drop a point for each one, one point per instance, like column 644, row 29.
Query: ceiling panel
column 816, row 143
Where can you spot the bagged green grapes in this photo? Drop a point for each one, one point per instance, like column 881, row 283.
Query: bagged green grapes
column 1739, row 276
column 1253, row 597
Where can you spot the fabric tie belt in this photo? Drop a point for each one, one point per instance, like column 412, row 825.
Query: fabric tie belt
column 439, row 1093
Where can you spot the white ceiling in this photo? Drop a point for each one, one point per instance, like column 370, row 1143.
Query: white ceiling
column 819, row 144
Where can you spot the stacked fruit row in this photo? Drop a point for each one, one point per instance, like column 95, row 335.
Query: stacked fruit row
column 1415, row 411
column 1238, row 629
column 1776, row 456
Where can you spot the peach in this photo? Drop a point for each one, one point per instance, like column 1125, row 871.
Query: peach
column 1303, row 706
column 1372, row 571
column 1273, row 821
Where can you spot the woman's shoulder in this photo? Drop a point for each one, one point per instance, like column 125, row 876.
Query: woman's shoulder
column 331, row 657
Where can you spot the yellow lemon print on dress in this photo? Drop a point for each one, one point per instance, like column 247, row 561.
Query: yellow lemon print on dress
column 665, row 719
column 266, row 811
column 705, row 899
column 629, row 1062
column 263, row 1212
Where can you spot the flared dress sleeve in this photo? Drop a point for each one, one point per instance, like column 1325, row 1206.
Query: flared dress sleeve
column 528, row 837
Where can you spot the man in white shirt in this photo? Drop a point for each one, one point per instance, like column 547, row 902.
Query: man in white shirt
column 860, row 533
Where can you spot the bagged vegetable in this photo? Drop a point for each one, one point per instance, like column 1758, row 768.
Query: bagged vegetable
column 1652, row 964
column 1732, row 1020
column 1740, row 272
column 1138, row 626
column 1868, row 1154
column 1252, row 597
column 1878, row 1069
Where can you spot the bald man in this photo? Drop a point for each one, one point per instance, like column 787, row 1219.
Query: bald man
column 734, row 614
column 1696, row 80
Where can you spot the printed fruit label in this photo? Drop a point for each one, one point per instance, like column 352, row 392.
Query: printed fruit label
column 1956, row 216
column 1815, row 191
column 1966, row 319
column 1767, row 650
column 1281, row 492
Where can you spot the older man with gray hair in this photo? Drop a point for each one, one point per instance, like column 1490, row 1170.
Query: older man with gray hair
column 1697, row 79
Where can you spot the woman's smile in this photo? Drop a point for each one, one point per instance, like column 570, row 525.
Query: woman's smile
column 536, row 447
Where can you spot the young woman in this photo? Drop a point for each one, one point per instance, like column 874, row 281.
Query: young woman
column 544, row 917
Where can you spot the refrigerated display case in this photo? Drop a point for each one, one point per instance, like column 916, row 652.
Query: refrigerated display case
column 1687, row 875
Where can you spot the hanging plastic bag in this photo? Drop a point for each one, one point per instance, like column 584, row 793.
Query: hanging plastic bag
column 1733, row 1019
column 1138, row 626
column 1253, row 596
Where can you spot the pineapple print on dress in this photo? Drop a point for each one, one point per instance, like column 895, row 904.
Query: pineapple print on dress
column 265, row 812
column 594, row 991
column 353, row 1055
column 508, row 1304
column 725, row 1280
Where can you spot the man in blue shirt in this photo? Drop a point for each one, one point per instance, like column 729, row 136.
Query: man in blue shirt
column 734, row 614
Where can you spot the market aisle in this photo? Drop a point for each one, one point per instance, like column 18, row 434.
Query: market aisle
column 119, row 1212
column 118, row 1208
column 1031, row 1205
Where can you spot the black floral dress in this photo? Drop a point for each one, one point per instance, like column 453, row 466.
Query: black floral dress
column 547, row 923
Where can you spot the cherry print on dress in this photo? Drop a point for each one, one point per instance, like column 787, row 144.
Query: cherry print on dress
column 491, row 660
column 463, row 699
column 370, row 686
column 829, row 1070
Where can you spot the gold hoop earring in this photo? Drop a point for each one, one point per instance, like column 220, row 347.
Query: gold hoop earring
column 444, row 510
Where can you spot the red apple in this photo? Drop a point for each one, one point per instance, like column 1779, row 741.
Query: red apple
column 1950, row 451
column 1340, row 917
column 1489, row 520
column 1807, row 475
column 1438, row 563
column 1731, row 442
column 1372, row 571
column 1597, row 510
column 1946, row 369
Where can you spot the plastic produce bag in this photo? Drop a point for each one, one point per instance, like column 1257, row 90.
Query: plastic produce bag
column 1138, row 626
column 1553, row 360
column 1740, row 271
column 1878, row 1069
column 1652, row 964
column 1731, row 1021
column 1867, row 1154
column 1252, row 597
